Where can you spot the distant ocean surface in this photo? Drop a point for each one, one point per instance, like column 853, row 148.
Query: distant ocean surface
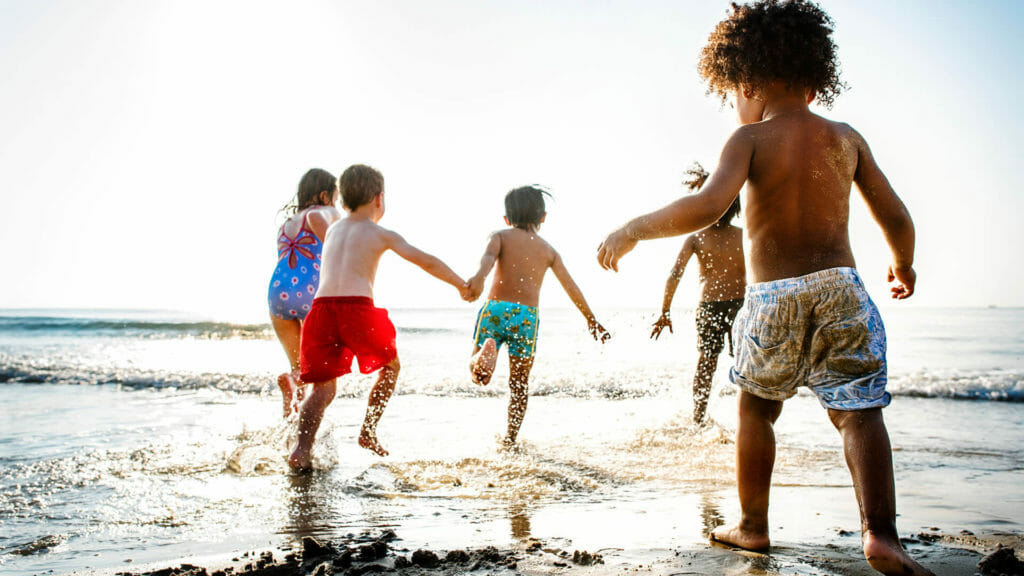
column 138, row 436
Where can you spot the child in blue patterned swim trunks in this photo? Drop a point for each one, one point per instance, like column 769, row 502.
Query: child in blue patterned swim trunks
column 507, row 323
column 807, row 320
column 509, row 317
column 297, row 273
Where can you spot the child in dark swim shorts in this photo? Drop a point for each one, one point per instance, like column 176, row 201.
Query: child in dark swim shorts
column 723, row 277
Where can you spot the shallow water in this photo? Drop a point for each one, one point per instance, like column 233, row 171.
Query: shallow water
column 183, row 453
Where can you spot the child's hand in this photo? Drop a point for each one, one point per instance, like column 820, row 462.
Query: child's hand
column 906, row 278
column 660, row 324
column 598, row 331
column 466, row 292
column 615, row 246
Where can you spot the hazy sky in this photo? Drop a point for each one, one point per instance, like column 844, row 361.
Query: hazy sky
column 145, row 147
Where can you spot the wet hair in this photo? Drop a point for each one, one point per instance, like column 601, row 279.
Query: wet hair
column 696, row 176
column 311, row 188
column 360, row 184
column 786, row 40
column 524, row 206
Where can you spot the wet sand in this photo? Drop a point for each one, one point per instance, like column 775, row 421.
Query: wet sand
column 945, row 554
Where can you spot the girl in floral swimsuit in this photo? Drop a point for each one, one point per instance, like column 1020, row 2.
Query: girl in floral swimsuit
column 297, row 274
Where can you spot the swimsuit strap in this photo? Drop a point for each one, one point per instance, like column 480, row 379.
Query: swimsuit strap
column 302, row 228
column 305, row 217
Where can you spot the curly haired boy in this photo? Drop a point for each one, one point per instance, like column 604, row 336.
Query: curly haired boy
column 807, row 319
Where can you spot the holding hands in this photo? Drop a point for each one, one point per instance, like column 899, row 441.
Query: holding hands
column 474, row 287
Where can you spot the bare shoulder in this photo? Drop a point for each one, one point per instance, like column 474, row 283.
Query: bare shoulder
column 548, row 250
column 749, row 134
column 386, row 234
column 323, row 215
column 847, row 133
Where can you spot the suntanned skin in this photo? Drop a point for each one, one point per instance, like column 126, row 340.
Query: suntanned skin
column 723, row 276
column 289, row 331
column 352, row 250
column 799, row 168
column 521, row 258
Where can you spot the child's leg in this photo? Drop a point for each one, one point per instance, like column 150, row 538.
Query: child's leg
column 706, row 365
column 311, row 413
column 379, row 396
column 481, row 365
column 755, row 458
column 869, row 457
column 289, row 332
column 518, row 387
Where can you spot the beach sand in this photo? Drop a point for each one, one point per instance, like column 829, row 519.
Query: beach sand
column 945, row 554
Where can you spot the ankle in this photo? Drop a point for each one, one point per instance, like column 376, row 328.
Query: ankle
column 754, row 524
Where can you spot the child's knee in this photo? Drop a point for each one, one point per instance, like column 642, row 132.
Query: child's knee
column 848, row 419
column 394, row 366
column 752, row 406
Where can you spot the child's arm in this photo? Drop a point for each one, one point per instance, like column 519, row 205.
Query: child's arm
column 491, row 253
column 689, row 213
column 671, row 284
column 576, row 295
column 892, row 216
column 430, row 264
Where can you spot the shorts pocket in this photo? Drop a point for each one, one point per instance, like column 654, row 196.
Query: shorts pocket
column 856, row 343
column 767, row 354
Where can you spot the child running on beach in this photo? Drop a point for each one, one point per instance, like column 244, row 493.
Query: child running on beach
column 296, row 276
column 344, row 323
column 723, row 276
column 807, row 319
column 510, row 315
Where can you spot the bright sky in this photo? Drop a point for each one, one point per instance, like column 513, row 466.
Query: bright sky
column 145, row 147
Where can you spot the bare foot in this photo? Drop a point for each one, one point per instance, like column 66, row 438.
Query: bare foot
column 482, row 365
column 889, row 557
column 287, row 383
column 300, row 462
column 368, row 440
column 510, row 446
column 300, row 389
column 745, row 539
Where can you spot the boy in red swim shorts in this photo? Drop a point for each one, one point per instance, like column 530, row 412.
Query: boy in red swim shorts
column 344, row 324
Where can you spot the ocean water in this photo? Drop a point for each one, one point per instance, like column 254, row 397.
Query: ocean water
column 138, row 437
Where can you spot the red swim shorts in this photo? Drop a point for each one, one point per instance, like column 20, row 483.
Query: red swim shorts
column 339, row 328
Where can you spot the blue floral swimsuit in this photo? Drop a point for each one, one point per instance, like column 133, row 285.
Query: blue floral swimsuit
column 297, row 274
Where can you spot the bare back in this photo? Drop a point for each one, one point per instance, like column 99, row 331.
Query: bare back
column 352, row 251
column 719, row 251
column 798, row 195
column 523, row 259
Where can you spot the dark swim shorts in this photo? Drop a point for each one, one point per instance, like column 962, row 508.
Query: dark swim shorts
column 714, row 323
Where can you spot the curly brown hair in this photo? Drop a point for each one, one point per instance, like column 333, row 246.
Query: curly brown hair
column 786, row 40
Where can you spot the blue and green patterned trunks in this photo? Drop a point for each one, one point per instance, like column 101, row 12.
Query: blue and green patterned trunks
column 508, row 323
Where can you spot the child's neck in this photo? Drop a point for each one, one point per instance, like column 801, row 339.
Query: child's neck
column 365, row 212
column 780, row 100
